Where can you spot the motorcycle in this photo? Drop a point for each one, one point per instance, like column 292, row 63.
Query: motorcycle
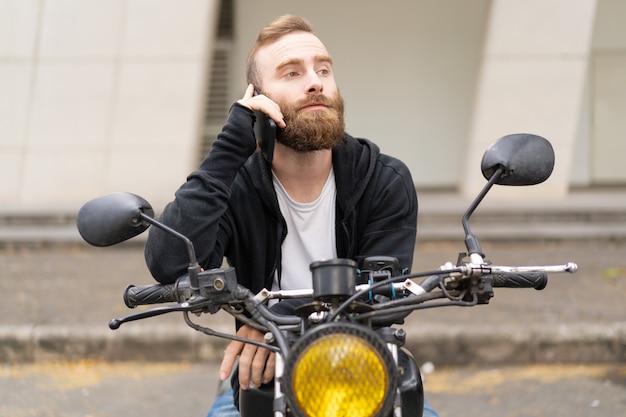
column 339, row 351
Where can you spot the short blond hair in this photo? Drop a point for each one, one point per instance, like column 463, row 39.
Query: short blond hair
column 278, row 28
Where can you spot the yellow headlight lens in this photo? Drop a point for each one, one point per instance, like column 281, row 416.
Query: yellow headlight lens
column 340, row 375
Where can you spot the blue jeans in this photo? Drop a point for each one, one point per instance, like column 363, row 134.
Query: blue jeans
column 224, row 406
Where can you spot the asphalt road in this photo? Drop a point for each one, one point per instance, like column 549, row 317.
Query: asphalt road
column 99, row 389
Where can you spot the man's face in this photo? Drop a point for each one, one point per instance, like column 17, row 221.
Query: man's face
column 296, row 72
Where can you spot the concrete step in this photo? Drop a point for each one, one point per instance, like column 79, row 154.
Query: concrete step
column 444, row 345
column 584, row 214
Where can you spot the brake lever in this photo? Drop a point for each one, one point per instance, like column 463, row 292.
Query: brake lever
column 115, row 324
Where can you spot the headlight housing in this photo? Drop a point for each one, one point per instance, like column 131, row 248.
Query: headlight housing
column 340, row 369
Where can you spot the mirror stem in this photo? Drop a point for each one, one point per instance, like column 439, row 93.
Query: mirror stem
column 471, row 242
column 194, row 267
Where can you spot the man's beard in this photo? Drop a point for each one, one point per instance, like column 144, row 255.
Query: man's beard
column 312, row 130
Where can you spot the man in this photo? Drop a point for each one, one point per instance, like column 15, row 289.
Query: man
column 324, row 195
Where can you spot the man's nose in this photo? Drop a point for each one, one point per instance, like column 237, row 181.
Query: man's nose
column 315, row 84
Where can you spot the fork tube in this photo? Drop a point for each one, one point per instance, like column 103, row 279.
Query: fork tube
column 397, row 405
column 280, row 407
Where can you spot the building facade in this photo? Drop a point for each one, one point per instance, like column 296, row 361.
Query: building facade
column 127, row 95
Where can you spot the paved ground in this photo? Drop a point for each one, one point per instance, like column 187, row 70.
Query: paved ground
column 99, row 389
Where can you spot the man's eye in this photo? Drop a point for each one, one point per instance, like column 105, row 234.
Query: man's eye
column 292, row 74
column 324, row 72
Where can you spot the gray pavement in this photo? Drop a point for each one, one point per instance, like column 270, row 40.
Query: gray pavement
column 59, row 293
column 156, row 389
column 106, row 389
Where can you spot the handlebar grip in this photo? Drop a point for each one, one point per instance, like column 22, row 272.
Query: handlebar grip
column 536, row 280
column 149, row 294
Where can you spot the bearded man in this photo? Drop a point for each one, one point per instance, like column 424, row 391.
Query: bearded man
column 324, row 194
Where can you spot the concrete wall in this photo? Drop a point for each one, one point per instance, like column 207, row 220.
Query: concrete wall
column 533, row 77
column 99, row 96
column 607, row 81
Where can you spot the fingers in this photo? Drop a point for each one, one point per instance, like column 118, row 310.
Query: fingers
column 250, row 100
column 264, row 104
column 234, row 349
column 249, row 92
column 230, row 356
column 252, row 363
column 270, row 366
column 256, row 364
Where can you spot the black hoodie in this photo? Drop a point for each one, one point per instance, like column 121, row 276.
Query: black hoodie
column 228, row 208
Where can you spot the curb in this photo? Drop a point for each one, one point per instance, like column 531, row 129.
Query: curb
column 450, row 345
column 430, row 230
column 25, row 344
column 580, row 343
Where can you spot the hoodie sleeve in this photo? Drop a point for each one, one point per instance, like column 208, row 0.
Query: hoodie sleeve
column 201, row 202
column 390, row 225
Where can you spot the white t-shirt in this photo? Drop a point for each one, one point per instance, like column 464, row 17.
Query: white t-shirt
column 310, row 234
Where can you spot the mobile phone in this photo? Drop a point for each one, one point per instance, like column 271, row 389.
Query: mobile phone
column 265, row 132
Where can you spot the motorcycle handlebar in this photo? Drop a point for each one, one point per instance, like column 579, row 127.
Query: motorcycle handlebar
column 149, row 294
column 536, row 280
column 217, row 285
column 168, row 293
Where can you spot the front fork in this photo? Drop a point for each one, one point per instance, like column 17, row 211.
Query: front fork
column 397, row 405
column 280, row 404
column 410, row 392
column 410, row 386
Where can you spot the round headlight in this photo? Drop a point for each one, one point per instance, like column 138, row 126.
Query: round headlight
column 340, row 370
